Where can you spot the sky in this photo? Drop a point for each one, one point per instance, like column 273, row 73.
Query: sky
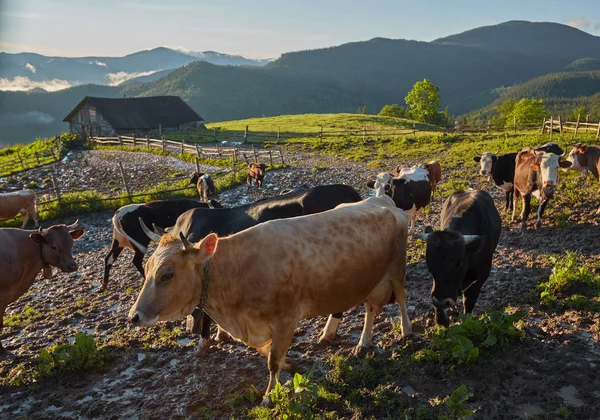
column 259, row 28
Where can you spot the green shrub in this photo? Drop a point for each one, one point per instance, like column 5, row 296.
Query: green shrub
column 455, row 402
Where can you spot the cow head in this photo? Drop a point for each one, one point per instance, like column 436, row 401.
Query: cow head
column 577, row 157
column 174, row 278
column 195, row 177
column 381, row 183
column 447, row 258
column 550, row 148
column 547, row 164
column 57, row 245
column 486, row 162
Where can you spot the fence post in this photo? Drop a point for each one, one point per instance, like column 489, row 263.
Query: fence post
column 147, row 142
column 197, row 152
column 587, row 120
column 197, row 165
column 577, row 126
column 182, row 145
column 271, row 158
column 414, row 130
column 54, row 154
column 233, row 161
column 254, row 153
column 164, row 145
column 544, row 126
column 281, row 156
column 20, row 160
column 124, row 180
column 246, row 135
column 37, row 158
column 551, row 125
column 278, row 133
column 321, row 134
column 515, row 125
column 56, row 189
column 133, row 139
column 559, row 124
column 598, row 131
column 487, row 127
column 364, row 133
column 219, row 151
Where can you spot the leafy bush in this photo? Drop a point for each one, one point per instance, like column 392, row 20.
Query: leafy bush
column 455, row 402
column 394, row 110
column 571, row 285
column 464, row 342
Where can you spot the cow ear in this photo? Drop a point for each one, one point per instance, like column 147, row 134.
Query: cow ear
column 583, row 148
column 535, row 166
column 399, row 181
column 38, row 238
column 477, row 158
column 76, row 234
column 564, row 164
column 428, row 229
column 371, row 183
column 473, row 242
column 207, row 246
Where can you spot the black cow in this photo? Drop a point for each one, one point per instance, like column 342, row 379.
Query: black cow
column 195, row 224
column 411, row 190
column 127, row 231
column 459, row 256
column 502, row 170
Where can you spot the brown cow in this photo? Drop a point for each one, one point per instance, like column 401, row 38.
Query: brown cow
column 536, row 173
column 307, row 266
column 256, row 172
column 585, row 158
column 23, row 254
column 20, row 202
column 204, row 184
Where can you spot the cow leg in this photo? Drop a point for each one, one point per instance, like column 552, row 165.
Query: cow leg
column 109, row 260
column 515, row 205
column 512, row 196
column 366, row 338
column 36, row 217
column 222, row 335
column 526, row 211
column 330, row 330
column 25, row 219
column 440, row 316
column 471, row 294
column 281, row 341
column 137, row 260
column 2, row 309
column 540, row 213
column 507, row 199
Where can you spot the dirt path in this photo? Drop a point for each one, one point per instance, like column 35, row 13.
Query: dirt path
column 156, row 373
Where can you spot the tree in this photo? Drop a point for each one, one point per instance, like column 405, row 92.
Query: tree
column 424, row 101
column 394, row 110
column 527, row 111
column 579, row 111
column 362, row 110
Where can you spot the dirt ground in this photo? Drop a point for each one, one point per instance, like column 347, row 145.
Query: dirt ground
column 156, row 373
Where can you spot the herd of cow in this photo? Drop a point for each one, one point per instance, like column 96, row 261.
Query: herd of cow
column 260, row 268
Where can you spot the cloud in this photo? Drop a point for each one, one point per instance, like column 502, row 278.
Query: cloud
column 30, row 67
column 98, row 63
column 30, row 117
column 115, row 79
column 21, row 83
column 584, row 24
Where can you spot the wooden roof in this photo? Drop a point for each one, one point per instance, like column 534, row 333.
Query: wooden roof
column 141, row 113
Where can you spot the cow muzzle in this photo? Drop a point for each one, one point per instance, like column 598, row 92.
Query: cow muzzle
column 483, row 172
column 139, row 319
column 444, row 303
column 69, row 267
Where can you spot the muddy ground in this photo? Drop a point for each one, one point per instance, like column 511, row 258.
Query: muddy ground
column 156, row 373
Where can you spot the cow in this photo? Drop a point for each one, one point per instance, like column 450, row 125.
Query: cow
column 127, row 232
column 585, row 158
column 434, row 170
column 411, row 191
column 204, row 184
column 23, row 254
column 381, row 183
column 550, row 148
column 459, row 255
column 19, row 202
column 502, row 170
column 536, row 173
column 197, row 223
column 256, row 172
column 305, row 266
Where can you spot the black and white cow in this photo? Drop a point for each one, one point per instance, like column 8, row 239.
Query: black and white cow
column 411, row 190
column 127, row 232
column 502, row 170
column 459, row 256
column 550, row 148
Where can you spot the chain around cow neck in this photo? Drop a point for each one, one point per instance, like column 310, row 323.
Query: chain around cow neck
column 204, row 286
column 46, row 268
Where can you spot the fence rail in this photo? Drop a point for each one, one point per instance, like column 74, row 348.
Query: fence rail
column 550, row 125
column 32, row 160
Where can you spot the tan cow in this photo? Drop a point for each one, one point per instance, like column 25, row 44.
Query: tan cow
column 435, row 174
column 19, row 202
column 23, row 254
column 306, row 266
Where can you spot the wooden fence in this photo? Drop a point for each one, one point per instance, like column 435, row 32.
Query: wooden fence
column 234, row 154
column 23, row 161
column 550, row 125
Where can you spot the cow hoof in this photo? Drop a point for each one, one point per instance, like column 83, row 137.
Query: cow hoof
column 203, row 346
column 266, row 402
column 222, row 336
column 538, row 225
column 361, row 350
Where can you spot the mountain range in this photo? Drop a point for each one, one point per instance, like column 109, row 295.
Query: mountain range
column 472, row 69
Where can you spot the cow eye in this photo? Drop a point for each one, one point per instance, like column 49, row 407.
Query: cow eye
column 54, row 248
column 166, row 277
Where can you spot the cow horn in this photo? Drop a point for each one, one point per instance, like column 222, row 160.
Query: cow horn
column 73, row 226
column 563, row 153
column 154, row 237
column 187, row 245
column 158, row 229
